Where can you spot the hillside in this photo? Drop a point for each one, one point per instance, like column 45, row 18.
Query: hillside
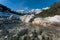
column 6, row 9
column 54, row 10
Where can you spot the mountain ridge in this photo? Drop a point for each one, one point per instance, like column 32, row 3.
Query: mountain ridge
column 53, row 10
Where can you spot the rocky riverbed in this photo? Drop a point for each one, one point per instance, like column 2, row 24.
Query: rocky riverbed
column 22, row 31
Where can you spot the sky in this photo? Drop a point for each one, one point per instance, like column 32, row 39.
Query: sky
column 27, row 4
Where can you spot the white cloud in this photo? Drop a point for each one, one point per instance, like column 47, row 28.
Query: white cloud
column 35, row 11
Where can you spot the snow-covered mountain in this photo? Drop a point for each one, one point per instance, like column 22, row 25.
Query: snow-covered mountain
column 35, row 11
column 20, row 11
column 12, row 29
column 32, row 12
column 45, row 8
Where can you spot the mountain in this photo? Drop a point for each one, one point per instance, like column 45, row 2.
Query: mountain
column 6, row 9
column 31, row 16
column 48, row 16
column 35, row 11
column 53, row 10
column 29, row 12
column 21, row 11
column 13, row 29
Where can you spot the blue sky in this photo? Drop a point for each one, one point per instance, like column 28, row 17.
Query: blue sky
column 27, row 4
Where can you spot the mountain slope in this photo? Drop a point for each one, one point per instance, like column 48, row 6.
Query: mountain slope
column 4, row 9
column 54, row 10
